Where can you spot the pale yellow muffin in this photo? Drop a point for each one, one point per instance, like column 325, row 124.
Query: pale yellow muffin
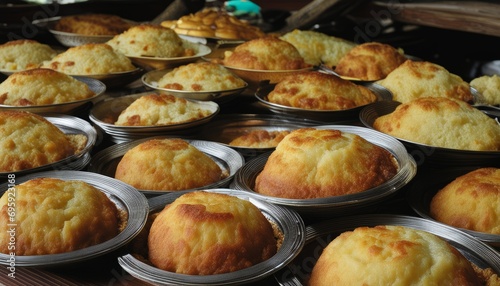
column 203, row 233
column 415, row 79
column 93, row 24
column 56, row 216
column 316, row 163
column 442, row 122
column 489, row 87
column 167, row 164
column 148, row 40
column 210, row 23
column 370, row 61
column 23, row 54
column 29, row 140
column 40, row 86
column 471, row 201
column 90, row 59
column 317, row 48
column 392, row 255
column 160, row 109
column 267, row 53
column 319, row 91
column 200, row 76
column 259, row 139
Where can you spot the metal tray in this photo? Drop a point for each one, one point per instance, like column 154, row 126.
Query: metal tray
column 124, row 196
column 288, row 222
column 229, row 160
column 426, row 154
column 381, row 92
column 318, row 235
column 337, row 205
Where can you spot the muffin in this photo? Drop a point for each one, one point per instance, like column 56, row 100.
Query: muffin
column 29, row 140
column 319, row 91
column 321, row 163
column 56, row 216
column 18, row 55
column 267, row 53
column 93, row 24
column 391, row 255
column 167, row 164
column 370, row 61
column 148, row 40
column 461, row 126
column 471, row 201
column 415, row 79
column 160, row 109
column 489, row 87
column 200, row 76
column 90, row 59
column 42, row 87
column 209, row 23
column 259, row 139
column 203, row 233
column 318, row 48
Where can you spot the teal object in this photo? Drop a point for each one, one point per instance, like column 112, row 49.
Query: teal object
column 242, row 7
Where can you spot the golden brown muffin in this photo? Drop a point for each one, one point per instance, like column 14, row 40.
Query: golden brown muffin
column 319, row 91
column 28, row 141
column 391, row 255
column 55, row 216
column 259, row 139
column 211, row 23
column 321, row 163
column 200, row 76
column 160, row 109
column 167, row 164
column 93, row 24
column 370, row 61
column 471, row 201
column 442, row 122
column 148, row 40
column 42, row 87
column 204, row 233
column 267, row 53
column 23, row 54
column 489, row 87
column 415, row 79
column 317, row 48
column 90, row 59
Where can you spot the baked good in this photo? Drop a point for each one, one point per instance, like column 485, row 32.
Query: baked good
column 56, row 216
column 319, row 91
column 391, row 255
column 160, row 109
column 210, row 23
column 415, row 79
column 23, row 54
column 40, row 86
column 267, row 53
column 318, row 48
column 90, row 59
column 206, row 233
column 370, row 61
column 461, row 126
column 471, row 201
column 149, row 40
column 322, row 163
column 167, row 164
column 489, row 87
column 28, row 140
column 200, row 76
column 259, row 138
column 93, row 24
